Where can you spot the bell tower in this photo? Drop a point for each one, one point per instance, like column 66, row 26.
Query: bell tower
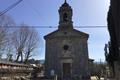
column 65, row 16
column 66, row 49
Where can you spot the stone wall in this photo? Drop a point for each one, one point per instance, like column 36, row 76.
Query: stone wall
column 15, row 71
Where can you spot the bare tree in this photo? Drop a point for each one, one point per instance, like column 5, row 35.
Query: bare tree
column 2, row 40
column 25, row 40
column 32, row 43
column 5, row 22
column 19, row 39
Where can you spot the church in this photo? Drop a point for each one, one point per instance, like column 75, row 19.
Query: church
column 66, row 52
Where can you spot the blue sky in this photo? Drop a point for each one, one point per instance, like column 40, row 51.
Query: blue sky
column 45, row 13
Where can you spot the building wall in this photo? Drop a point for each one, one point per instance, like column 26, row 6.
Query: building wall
column 66, row 48
column 77, row 55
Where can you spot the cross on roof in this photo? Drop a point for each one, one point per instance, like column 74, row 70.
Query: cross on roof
column 65, row 1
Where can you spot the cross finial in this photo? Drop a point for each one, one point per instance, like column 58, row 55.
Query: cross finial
column 65, row 1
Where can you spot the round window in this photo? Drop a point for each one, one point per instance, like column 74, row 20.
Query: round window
column 66, row 47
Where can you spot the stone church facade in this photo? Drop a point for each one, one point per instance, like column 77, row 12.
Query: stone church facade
column 66, row 48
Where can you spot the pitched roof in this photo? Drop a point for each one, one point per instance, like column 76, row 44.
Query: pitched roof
column 66, row 33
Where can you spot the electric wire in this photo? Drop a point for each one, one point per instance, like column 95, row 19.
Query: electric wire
column 10, row 7
column 34, row 9
column 15, row 4
column 92, row 27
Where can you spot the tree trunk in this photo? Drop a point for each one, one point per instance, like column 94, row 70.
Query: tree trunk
column 27, row 57
column 21, row 57
column 17, row 57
